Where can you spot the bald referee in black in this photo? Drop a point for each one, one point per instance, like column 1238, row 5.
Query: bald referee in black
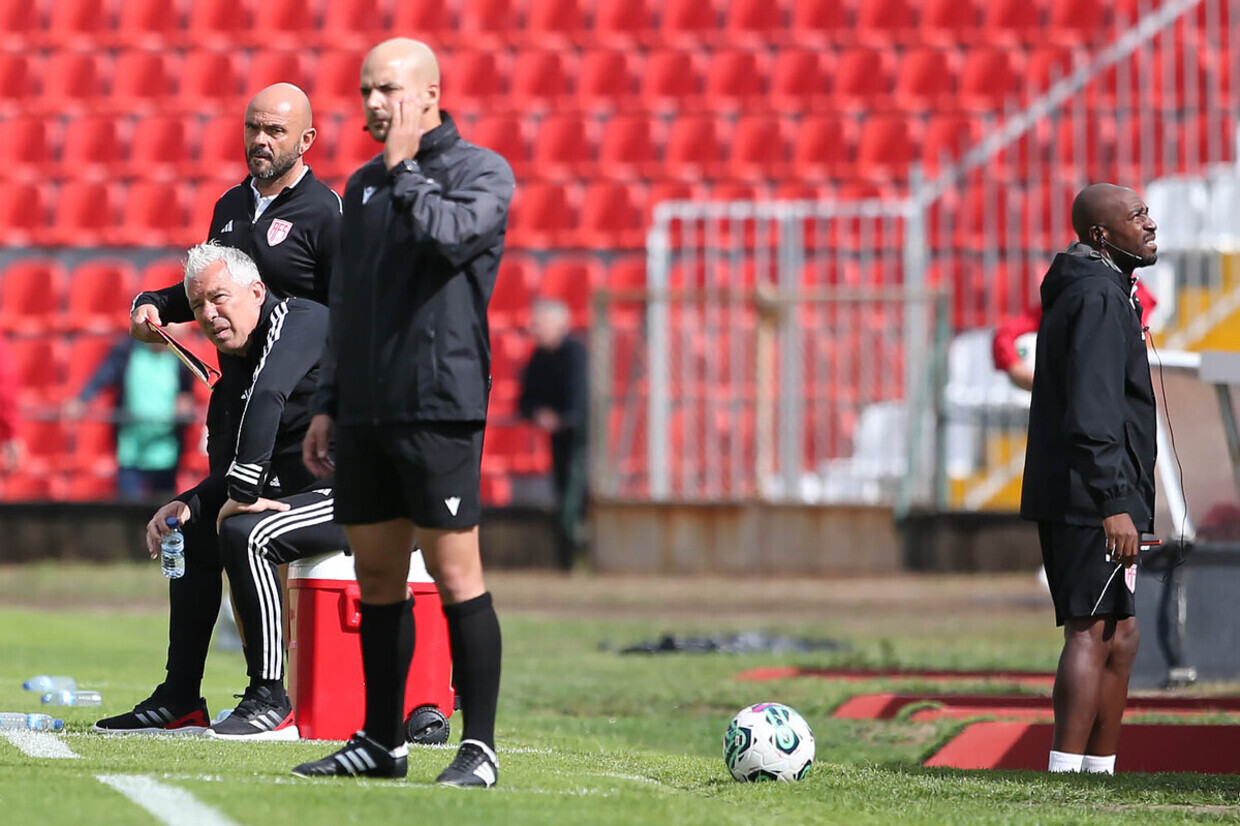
column 1089, row 466
column 406, row 401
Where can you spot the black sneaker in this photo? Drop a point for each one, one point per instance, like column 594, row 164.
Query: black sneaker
column 158, row 715
column 475, row 765
column 362, row 757
column 261, row 715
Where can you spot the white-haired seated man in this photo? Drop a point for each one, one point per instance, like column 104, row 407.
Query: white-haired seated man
column 258, row 507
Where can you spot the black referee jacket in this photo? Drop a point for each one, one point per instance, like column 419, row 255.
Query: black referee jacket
column 419, row 250
column 1092, row 422
column 260, row 407
column 294, row 243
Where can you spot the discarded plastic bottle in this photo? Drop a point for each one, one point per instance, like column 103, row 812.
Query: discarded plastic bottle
column 72, row 698
column 172, row 550
column 44, row 684
column 21, row 721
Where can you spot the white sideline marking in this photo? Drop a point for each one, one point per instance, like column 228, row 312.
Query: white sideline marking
column 41, row 744
column 168, row 804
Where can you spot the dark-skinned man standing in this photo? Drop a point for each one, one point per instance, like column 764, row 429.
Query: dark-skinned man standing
column 1089, row 467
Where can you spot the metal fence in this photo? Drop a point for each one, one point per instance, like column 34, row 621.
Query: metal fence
column 779, row 347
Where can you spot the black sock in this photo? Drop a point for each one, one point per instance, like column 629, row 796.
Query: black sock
column 276, row 687
column 387, row 650
column 473, row 633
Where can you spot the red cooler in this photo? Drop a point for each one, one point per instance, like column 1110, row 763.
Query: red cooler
column 325, row 652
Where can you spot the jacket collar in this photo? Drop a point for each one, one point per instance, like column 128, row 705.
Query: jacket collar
column 438, row 139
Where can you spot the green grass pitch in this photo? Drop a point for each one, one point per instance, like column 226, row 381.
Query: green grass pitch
column 586, row 735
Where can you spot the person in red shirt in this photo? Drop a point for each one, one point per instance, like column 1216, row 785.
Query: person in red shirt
column 1009, row 361
column 9, row 446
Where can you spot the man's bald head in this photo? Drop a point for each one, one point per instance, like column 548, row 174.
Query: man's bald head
column 1115, row 221
column 399, row 70
column 279, row 128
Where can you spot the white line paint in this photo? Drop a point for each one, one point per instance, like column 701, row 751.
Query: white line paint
column 168, row 804
column 41, row 744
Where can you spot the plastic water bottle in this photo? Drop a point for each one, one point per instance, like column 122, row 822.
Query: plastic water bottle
column 44, row 684
column 172, row 551
column 20, row 721
column 72, row 698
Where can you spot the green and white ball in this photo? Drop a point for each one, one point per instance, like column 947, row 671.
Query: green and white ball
column 768, row 741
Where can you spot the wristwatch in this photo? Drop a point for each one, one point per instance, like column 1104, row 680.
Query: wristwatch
column 407, row 165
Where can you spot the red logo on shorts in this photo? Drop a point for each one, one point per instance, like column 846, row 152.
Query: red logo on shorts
column 278, row 231
column 1130, row 578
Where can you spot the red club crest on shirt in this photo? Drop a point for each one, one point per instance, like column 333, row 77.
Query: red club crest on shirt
column 278, row 231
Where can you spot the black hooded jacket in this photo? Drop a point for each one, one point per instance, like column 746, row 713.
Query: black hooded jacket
column 1092, row 422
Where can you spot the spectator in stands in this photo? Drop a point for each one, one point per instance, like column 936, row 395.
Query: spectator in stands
column 154, row 400
column 1089, row 468
column 1009, row 360
column 10, row 447
column 555, row 396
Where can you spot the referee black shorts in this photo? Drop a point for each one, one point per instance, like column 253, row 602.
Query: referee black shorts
column 428, row 472
column 1082, row 582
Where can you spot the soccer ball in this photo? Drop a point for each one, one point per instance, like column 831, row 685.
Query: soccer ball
column 768, row 741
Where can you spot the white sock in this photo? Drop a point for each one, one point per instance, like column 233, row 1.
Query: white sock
column 1064, row 762
column 1098, row 765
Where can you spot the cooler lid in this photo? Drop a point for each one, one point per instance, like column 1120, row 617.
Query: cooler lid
column 339, row 566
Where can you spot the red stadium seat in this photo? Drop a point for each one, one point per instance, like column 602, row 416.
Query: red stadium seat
column 495, row 490
column 76, row 22
column 149, row 155
column 946, row 138
column 95, row 485
column 488, row 23
column 625, row 274
column 886, row 147
column 505, row 134
column 23, row 215
column 147, row 23
column 926, row 80
column 270, row 67
column 19, row 74
column 800, row 83
column 572, row 280
column 87, row 352
column 337, row 83
column 988, row 78
column 24, row 486
column 141, row 81
column 433, row 22
column 161, row 273
column 884, row 22
column 606, row 81
column 1047, row 65
column 352, row 148
column 100, row 291
column 759, row 150
column 83, row 214
column 1078, row 22
column 514, row 289
column 817, row 23
column 564, row 147
column 754, row 23
column 92, row 149
column 475, row 80
column 555, row 24
column 688, row 23
column 948, row 22
column 542, row 216
column 72, row 82
column 540, row 81
column 208, row 81
column 628, row 149
column 31, row 293
column 694, row 148
column 612, row 218
column 25, row 148
column 862, row 80
column 355, row 24
column 201, row 199
column 281, row 24
column 823, row 147
column 19, row 23
column 217, row 22
column 1012, row 21
column 222, row 149
column 734, row 81
column 39, row 365
column 622, row 23
column 152, row 215
column 671, row 82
